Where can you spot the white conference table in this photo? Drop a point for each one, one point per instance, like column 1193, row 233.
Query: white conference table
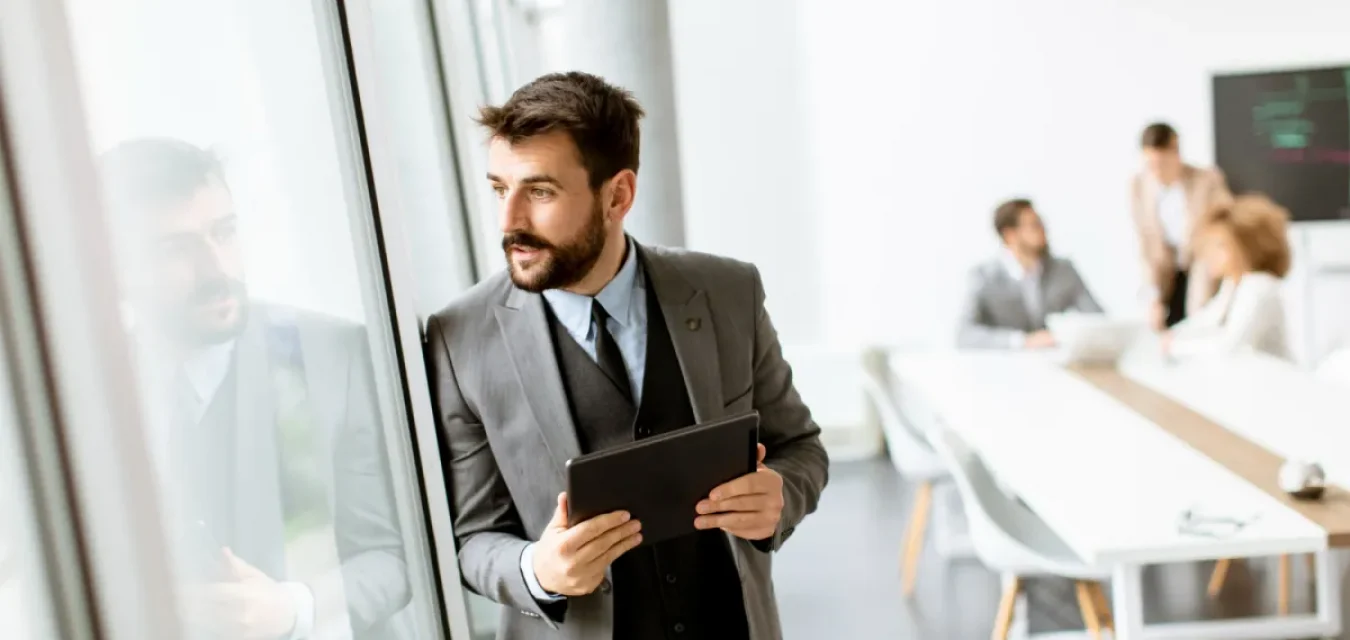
column 1111, row 483
column 1269, row 401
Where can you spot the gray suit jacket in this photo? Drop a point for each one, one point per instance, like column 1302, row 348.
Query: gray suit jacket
column 339, row 451
column 508, row 433
column 994, row 311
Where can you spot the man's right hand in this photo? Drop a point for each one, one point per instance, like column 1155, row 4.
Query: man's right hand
column 571, row 560
column 1039, row 340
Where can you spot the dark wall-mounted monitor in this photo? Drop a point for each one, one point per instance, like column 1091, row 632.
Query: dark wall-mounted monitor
column 1287, row 134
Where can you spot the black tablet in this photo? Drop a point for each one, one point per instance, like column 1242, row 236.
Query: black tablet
column 659, row 480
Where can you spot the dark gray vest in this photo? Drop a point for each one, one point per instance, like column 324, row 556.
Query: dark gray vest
column 682, row 588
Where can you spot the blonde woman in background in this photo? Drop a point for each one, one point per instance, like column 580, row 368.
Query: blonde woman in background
column 1246, row 245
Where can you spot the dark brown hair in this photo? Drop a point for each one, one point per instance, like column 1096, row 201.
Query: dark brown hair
column 1261, row 229
column 145, row 173
column 1158, row 135
column 601, row 119
column 1008, row 214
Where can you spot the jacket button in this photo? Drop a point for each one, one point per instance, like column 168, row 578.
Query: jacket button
column 605, row 586
column 670, row 578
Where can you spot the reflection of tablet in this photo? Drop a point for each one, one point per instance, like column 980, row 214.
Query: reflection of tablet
column 659, row 480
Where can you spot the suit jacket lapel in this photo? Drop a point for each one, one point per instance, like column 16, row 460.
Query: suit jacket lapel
column 525, row 332
column 1148, row 196
column 1041, row 292
column 691, row 331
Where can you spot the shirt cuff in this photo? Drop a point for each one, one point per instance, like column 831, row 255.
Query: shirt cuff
column 1017, row 340
column 304, row 610
column 527, row 570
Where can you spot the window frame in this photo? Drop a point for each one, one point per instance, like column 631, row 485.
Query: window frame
column 26, row 426
column 390, row 228
column 467, row 81
column 110, row 576
column 111, row 579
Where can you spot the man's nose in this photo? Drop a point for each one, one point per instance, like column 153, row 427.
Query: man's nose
column 514, row 214
column 210, row 258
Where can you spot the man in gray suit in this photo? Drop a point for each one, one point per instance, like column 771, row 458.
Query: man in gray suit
column 590, row 340
column 1010, row 295
column 272, row 450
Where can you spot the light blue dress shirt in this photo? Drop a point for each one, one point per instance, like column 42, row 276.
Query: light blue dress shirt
column 625, row 300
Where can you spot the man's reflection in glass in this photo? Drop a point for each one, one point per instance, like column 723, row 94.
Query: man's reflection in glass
column 271, row 440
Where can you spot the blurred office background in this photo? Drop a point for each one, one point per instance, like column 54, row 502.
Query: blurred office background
column 854, row 150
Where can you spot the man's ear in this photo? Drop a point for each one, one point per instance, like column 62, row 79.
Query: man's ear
column 620, row 194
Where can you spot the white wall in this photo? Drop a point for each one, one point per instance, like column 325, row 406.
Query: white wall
column 744, row 150
column 920, row 117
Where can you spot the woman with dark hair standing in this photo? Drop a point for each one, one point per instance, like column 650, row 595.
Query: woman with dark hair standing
column 1166, row 199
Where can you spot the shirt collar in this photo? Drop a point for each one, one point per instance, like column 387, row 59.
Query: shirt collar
column 574, row 310
column 1015, row 268
column 206, row 368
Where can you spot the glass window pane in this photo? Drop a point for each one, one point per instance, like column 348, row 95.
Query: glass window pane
column 252, row 299
column 416, row 127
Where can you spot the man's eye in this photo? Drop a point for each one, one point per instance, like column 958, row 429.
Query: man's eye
column 540, row 193
column 499, row 190
column 174, row 249
column 225, row 233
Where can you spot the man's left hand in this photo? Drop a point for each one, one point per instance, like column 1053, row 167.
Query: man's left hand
column 748, row 507
column 253, row 606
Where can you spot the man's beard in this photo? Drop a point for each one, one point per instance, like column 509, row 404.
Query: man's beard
column 1029, row 249
column 190, row 330
column 557, row 265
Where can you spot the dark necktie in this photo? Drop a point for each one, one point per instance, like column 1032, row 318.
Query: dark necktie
column 607, row 353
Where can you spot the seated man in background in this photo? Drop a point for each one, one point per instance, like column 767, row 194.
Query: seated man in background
column 1011, row 294
column 1246, row 245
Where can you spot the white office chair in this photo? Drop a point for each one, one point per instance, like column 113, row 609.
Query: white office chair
column 917, row 462
column 1015, row 542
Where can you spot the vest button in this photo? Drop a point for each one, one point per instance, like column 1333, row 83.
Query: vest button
column 670, row 578
column 679, row 627
column 605, row 586
column 644, row 432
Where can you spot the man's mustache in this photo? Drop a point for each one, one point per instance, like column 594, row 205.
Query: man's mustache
column 523, row 240
column 212, row 290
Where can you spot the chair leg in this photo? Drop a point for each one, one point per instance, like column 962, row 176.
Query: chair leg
column 1003, row 622
column 1103, row 608
column 918, row 521
column 906, row 541
column 1088, row 606
column 1216, row 579
column 1284, row 585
